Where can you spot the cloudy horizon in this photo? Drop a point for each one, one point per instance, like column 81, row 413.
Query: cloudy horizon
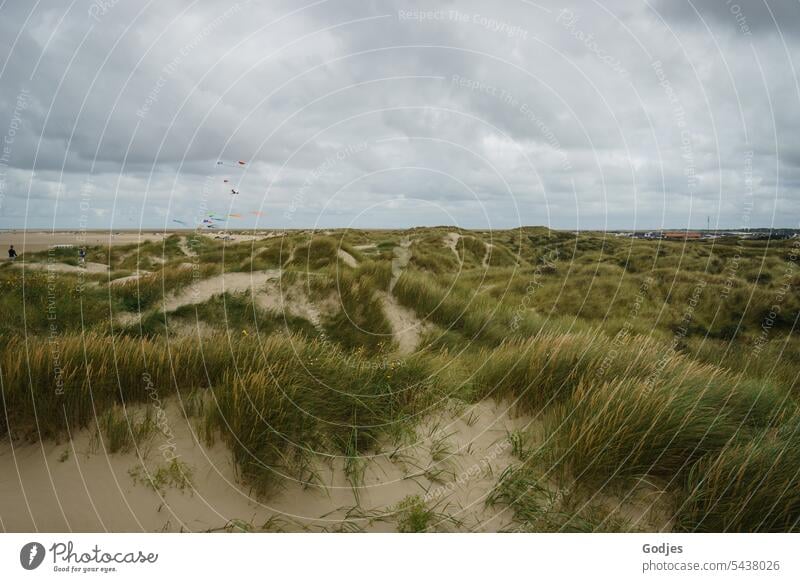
column 393, row 114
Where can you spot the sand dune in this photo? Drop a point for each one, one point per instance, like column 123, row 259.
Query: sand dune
column 76, row 486
column 205, row 289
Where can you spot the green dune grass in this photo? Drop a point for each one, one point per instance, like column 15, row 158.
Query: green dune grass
column 640, row 361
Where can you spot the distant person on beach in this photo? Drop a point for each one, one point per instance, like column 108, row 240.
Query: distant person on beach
column 82, row 256
column 12, row 254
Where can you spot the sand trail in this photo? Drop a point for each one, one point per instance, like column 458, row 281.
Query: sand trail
column 205, row 289
column 406, row 326
column 450, row 241
column 347, row 258
column 185, row 247
column 402, row 256
column 487, row 256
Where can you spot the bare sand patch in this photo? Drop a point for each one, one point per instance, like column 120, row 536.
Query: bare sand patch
column 347, row 258
column 406, row 327
column 185, row 248
column 450, row 241
column 125, row 318
column 487, row 255
column 270, row 298
column 205, row 289
column 76, row 486
column 451, row 464
column 402, row 256
column 295, row 301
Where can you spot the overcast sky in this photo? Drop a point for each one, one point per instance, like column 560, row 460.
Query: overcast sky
column 597, row 115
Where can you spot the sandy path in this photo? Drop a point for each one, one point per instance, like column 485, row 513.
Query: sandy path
column 487, row 255
column 205, row 289
column 450, row 241
column 402, row 255
column 290, row 257
column 185, row 248
column 466, row 452
column 406, row 327
column 347, row 258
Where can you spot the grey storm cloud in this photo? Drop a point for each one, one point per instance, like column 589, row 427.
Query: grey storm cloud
column 755, row 17
column 605, row 114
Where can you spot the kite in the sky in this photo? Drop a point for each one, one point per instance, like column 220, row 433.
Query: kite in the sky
column 235, row 215
column 179, row 221
column 234, row 190
column 256, row 212
column 238, row 164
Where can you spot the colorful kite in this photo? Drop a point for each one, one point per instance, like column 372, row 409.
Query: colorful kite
column 234, row 190
column 238, row 164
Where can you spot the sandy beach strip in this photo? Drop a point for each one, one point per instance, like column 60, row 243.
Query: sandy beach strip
column 32, row 241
